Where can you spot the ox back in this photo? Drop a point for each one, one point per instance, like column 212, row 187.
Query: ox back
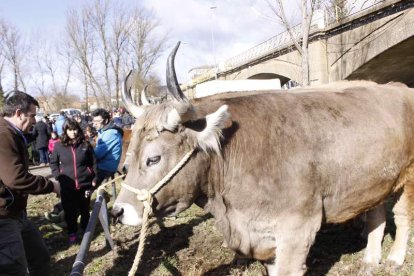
column 346, row 149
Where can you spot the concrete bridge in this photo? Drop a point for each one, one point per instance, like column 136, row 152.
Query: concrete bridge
column 374, row 44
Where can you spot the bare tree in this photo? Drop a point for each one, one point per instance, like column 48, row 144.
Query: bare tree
column 2, row 59
column 145, row 48
column 99, row 19
column 1, row 85
column 301, row 42
column 121, row 26
column 106, row 37
column 335, row 10
column 14, row 50
column 39, row 80
column 60, row 100
column 66, row 61
column 52, row 68
column 81, row 38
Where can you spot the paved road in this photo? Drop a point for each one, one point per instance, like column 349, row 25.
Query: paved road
column 41, row 170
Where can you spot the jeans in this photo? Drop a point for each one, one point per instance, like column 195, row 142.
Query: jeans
column 22, row 249
column 74, row 204
column 43, row 154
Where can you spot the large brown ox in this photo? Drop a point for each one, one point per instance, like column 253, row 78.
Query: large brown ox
column 273, row 167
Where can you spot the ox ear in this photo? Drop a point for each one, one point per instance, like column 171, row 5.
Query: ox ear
column 209, row 137
column 179, row 112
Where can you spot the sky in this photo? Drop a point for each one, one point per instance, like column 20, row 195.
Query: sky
column 232, row 26
column 211, row 31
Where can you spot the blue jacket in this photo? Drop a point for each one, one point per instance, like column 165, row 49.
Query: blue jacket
column 59, row 125
column 108, row 148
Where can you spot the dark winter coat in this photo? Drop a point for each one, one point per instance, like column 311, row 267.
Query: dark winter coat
column 41, row 132
column 73, row 166
column 127, row 120
column 83, row 124
column 16, row 182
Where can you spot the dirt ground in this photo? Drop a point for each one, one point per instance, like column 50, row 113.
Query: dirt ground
column 190, row 245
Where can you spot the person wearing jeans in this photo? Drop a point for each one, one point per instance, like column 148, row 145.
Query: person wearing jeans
column 22, row 249
column 41, row 131
column 73, row 165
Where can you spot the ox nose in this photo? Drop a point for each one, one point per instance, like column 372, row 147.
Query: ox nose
column 116, row 212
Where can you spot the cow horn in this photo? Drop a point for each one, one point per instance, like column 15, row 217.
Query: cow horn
column 144, row 99
column 172, row 83
column 134, row 109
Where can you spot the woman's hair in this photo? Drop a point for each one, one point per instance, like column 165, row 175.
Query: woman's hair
column 71, row 124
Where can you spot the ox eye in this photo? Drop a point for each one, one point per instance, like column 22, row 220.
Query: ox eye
column 153, row 160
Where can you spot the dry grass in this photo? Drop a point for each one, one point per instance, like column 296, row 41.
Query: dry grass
column 190, row 245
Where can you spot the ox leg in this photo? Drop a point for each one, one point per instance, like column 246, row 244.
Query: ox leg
column 293, row 243
column 375, row 225
column 402, row 221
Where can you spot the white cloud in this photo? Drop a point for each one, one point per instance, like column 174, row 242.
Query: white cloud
column 236, row 26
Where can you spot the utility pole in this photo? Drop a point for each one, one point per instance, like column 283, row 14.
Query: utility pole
column 213, row 8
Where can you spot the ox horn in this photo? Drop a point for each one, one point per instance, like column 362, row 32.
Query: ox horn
column 172, row 83
column 144, row 99
column 134, row 109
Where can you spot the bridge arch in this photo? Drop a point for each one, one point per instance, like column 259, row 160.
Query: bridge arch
column 385, row 54
column 272, row 69
column 373, row 44
column 394, row 64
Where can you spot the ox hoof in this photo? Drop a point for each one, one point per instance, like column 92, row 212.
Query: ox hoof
column 367, row 270
column 392, row 267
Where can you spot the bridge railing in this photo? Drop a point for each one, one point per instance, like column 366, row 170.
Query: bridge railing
column 278, row 42
column 282, row 40
column 352, row 13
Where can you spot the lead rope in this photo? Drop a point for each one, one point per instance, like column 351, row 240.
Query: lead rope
column 101, row 187
column 146, row 197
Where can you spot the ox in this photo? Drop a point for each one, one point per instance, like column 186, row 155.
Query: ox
column 272, row 167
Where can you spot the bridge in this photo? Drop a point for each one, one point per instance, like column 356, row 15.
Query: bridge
column 376, row 44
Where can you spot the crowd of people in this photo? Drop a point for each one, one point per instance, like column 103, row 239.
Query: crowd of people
column 43, row 134
column 86, row 153
column 82, row 151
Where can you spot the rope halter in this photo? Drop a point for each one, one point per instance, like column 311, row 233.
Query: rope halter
column 145, row 196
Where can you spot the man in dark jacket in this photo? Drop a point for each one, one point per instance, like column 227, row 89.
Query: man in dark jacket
column 41, row 131
column 127, row 119
column 82, row 122
column 22, row 248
